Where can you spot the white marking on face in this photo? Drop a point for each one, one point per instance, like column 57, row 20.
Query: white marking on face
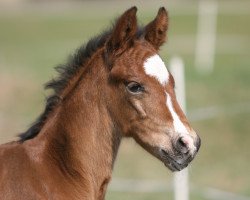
column 179, row 127
column 155, row 67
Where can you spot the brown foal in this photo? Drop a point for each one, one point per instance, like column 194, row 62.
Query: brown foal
column 115, row 86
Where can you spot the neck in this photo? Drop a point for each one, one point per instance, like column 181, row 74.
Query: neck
column 81, row 139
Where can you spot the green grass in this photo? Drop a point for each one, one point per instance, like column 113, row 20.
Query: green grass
column 137, row 196
column 32, row 42
column 147, row 196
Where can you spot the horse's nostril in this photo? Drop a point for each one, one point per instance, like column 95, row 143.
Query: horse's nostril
column 182, row 145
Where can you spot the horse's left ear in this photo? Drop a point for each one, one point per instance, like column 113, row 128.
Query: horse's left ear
column 156, row 31
column 123, row 32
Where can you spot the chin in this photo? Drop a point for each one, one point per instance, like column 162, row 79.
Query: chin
column 175, row 163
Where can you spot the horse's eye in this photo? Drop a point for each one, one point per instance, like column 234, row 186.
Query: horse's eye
column 135, row 87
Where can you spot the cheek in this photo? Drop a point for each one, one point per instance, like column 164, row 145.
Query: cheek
column 139, row 108
column 159, row 112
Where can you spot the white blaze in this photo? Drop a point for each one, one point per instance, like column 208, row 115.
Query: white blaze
column 155, row 67
column 178, row 125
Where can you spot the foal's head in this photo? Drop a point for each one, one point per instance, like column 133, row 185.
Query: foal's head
column 142, row 97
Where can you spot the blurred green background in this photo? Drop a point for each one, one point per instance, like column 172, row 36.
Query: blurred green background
column 35, row 36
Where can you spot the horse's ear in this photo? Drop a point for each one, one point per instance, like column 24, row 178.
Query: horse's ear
column 123, row 32
column 156, row 31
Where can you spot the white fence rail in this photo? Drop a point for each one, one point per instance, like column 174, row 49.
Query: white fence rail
column 181, row 186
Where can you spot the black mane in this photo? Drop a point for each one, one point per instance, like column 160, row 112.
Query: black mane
column 66, row 72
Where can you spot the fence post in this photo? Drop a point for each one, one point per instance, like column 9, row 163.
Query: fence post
column 181, row 187
column 206, row 35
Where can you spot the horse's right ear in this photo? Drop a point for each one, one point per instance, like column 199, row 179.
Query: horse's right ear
column 123, row 33
column 156, row 31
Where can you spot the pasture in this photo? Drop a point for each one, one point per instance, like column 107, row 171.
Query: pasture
column 34, row 38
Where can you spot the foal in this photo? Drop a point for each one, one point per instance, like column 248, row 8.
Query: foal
column 116, row 86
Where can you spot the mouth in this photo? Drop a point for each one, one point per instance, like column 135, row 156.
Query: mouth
column 174, row 164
